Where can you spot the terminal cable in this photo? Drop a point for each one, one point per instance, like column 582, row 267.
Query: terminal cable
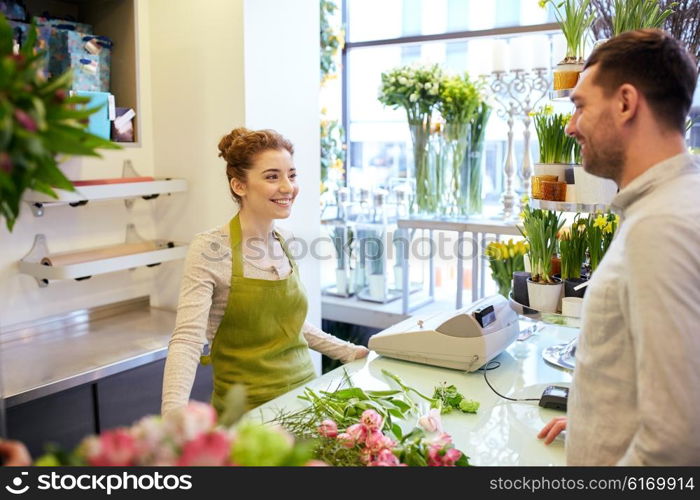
column 492, row 365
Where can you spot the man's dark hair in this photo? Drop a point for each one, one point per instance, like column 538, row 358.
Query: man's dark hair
column 656, row 64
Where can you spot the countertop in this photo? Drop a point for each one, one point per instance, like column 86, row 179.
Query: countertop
column 502, row 432
column 85, row 347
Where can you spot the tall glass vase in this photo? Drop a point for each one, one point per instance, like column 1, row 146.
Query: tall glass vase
column 472, row 174
column 425, row 200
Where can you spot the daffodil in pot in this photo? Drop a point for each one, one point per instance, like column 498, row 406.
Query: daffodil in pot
column 572, row 250
column 600, row 230
column 458, row 104
column 556, row 154
column 39, row 121
column 416, row 89
column 575, row 17
column 540, row 228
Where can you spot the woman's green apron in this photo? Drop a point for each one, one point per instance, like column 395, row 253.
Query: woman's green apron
column 259, row 342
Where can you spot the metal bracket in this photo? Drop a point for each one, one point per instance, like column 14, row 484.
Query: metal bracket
column 39, row 250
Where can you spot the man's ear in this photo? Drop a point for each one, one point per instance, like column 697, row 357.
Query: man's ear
column 238, row 187
column 628, row 101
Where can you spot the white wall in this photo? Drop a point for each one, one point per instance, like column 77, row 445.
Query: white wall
column 198, row 96
column 281, row 41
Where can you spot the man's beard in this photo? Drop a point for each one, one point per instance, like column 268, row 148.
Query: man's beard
column 605, row 156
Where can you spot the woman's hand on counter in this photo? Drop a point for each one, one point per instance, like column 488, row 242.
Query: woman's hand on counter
column 361, row 352
column 553, row 428
column 14, row 454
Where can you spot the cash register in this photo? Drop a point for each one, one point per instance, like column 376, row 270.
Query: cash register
column 465, row 339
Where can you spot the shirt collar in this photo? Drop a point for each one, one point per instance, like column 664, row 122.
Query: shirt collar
column 654, row 176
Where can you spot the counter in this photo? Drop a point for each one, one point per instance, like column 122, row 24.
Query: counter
column 502, row 432
column 61, row 353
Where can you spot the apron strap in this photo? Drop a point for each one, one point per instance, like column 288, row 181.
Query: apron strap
column 236, row 254
column 236, row 251
column 285, row 248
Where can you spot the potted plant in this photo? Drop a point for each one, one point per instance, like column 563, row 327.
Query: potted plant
column 572, row 249
column 504, row 260
column 39, row 120
column 556, row 152
column 540, row 228
column 600, row 230
column 416, row 90
column 575, row 17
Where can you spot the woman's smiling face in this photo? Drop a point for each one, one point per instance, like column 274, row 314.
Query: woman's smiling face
column 270, row 187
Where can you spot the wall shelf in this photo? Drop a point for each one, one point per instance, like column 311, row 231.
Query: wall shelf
column 563, row 206
column 35, row 263
column 127, row 191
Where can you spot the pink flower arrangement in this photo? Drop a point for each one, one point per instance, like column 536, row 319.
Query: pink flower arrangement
column 376, row 449
column 187, row 437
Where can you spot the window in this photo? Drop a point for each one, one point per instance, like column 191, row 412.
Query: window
column 378, row 137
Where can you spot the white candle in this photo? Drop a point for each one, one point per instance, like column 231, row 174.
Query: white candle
column 500, row 56
column 559, row 48
column 520, row 52
column 479, row 57
column 540, row 52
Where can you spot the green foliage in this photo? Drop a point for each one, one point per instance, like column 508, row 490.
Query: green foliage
column 637, row 14
column 332, row 40
column 540, row 228
column 572, row 248
column 332, row 150
column 38, row 121
column 414, row 88
column 555, row 145
column 450, row 398
column 459, row 99
column 600, row 230
column 575, row 17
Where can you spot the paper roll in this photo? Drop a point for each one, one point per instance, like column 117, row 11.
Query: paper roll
column 100, row 253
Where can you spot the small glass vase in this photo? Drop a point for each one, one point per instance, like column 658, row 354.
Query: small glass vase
column 424, row 202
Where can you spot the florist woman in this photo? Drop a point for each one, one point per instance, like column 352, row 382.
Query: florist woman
column 241, row 292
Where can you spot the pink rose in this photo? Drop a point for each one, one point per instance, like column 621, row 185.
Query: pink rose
column 450, row 457
column 432, row 421
column 187, row 423
column 346, row 439
column 113, row 448
column 375, row 441
column 439, row 457
column 358, row 432
column 386, row 458
column 211, row 449
column 328, row 428
column 372, row 420
column 442, row 440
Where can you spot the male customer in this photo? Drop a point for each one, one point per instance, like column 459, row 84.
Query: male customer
column 635, row 396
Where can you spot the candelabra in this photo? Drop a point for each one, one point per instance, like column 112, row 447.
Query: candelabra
column 517, row 93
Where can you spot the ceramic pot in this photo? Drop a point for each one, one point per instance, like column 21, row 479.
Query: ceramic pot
column 566, row 75
column 569, row 285
column 591, row 189
column 520, row 287
column 544, row 297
